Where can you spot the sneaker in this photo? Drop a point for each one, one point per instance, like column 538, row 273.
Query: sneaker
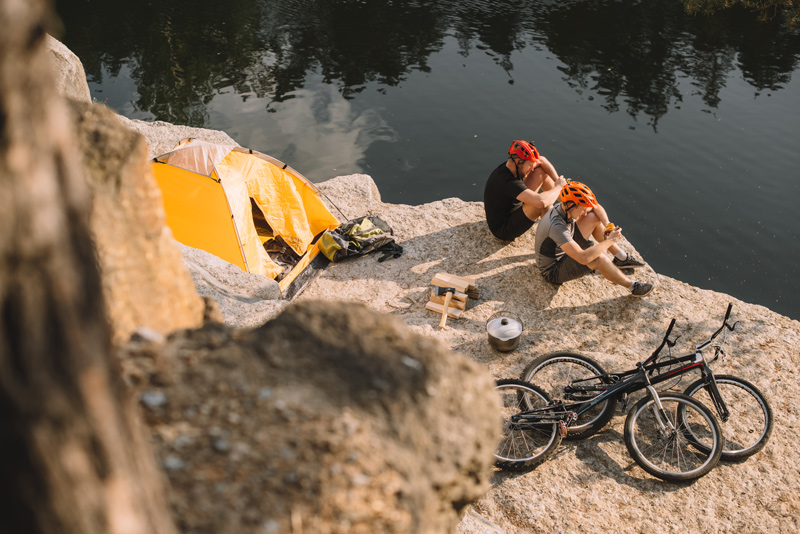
column 629, row 261
column 641, row 289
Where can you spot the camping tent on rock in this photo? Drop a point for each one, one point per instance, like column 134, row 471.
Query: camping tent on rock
column 245, row 207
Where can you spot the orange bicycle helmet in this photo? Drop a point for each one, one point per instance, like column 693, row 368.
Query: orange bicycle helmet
column 524, row 150
column 579, row 194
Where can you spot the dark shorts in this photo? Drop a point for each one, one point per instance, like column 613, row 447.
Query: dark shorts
column 517, row 224
column 566, row 268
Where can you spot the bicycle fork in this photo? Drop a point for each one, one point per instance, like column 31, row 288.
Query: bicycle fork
column 716, row 396
column 666, row 428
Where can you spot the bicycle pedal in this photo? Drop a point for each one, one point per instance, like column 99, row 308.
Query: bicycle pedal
column 562, row 429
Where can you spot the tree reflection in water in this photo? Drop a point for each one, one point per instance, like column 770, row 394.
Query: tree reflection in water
column 631, row 54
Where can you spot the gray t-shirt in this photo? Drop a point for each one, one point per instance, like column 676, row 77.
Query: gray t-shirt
column 553, row 231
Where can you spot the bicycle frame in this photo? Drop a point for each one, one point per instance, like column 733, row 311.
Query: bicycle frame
column 634, row 380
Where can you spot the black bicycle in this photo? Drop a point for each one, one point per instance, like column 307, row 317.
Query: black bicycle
column 672, row 436
column 745, row 415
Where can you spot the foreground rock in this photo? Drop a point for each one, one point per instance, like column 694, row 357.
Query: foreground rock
column 330, row 418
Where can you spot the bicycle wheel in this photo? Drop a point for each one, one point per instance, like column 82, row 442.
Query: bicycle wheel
column 523, row 445
column 750, row 423
column 552, row 372
column 666, row 447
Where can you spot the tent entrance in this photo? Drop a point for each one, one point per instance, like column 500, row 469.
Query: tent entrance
column 278, row 250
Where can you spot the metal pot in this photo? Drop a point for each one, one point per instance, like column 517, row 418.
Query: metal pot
column 505, row 330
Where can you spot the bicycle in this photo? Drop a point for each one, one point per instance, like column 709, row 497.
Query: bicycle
column 745, row 416
column 681, row 443
column 665, row 434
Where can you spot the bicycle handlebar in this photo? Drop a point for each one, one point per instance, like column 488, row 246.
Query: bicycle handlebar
column 701, row 346
column 666, row 340
column 725, row 323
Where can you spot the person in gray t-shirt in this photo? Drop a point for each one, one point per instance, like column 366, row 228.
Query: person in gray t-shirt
column 563, row 250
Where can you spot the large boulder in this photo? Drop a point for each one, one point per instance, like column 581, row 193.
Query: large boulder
column 68, row 70
column 162, row 136
column 144, row 279
column 330, row 418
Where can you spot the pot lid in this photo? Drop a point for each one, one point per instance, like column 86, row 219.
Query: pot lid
column 504, row 326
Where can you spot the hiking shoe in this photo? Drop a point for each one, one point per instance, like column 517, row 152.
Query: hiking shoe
column 641, row 289
column 629, row 261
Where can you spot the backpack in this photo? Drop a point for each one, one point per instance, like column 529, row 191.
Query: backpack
column 359, row 237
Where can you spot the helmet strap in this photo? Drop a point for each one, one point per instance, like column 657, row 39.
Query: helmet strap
column 516, row 164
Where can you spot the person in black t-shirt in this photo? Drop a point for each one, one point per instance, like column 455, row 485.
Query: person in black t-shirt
column 520, row 191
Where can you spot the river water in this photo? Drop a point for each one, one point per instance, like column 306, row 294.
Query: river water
column 685, row 127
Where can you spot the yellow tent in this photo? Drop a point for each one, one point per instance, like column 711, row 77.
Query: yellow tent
column 232, row 201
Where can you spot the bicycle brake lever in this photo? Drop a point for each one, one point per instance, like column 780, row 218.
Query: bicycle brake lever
column 671, row 344
column 719, row 353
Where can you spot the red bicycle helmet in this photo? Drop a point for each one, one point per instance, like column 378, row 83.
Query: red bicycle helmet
column 577, row 193
column 524, row 150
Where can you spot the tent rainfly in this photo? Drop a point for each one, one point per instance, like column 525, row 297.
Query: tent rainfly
column 237, row 203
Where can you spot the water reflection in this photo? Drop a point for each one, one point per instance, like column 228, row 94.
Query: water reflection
column 634, row 54
column 631, row 55
column 318, row 126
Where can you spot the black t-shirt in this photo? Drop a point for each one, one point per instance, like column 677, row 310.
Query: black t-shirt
column 500, row 196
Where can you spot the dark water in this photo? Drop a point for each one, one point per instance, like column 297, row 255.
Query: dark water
column 686, row 128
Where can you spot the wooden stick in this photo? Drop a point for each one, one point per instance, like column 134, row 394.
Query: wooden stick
column 444, row 312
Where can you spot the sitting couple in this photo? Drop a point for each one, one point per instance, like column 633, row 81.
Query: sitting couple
column 525, row 188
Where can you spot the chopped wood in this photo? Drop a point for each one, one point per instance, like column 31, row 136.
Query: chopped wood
column 460, row 304
column 456, row 296
column 463, row 284
column 455, row 313
column 446, row 280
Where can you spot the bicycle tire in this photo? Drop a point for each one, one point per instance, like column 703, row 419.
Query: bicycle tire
column 673, row 456
column 523, row 447
column 553, row 371
column 749, row 426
